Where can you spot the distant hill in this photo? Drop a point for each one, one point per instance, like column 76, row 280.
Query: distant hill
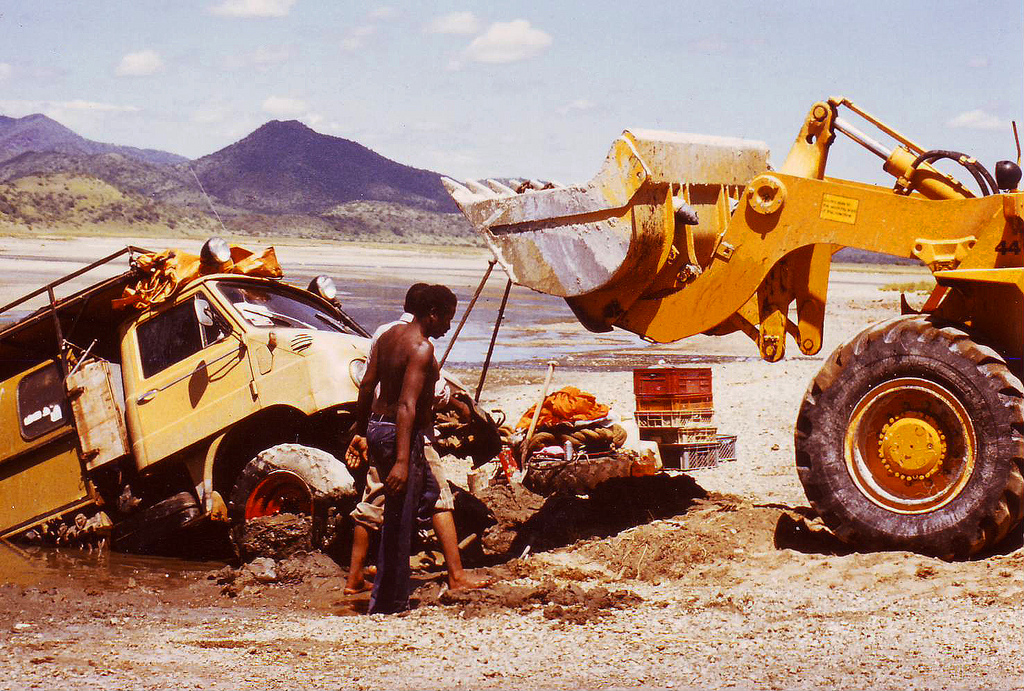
column 285, row 167
column 38, row 133
column 129, row 174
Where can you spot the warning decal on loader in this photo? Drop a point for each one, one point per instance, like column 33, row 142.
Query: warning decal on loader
column 841, row 209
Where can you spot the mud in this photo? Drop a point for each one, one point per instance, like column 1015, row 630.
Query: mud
column 527, row 522
column 277, row 537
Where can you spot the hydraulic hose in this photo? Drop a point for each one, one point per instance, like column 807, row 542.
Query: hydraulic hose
column 985, row 181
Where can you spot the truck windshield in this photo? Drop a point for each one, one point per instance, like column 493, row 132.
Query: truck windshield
column 264, row 306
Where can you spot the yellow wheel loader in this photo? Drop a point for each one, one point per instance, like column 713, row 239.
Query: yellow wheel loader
column 912, row 434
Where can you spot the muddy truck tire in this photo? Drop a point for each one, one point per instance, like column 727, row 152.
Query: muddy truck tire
column 286, row 479
column 911, row 438
column 157, row 528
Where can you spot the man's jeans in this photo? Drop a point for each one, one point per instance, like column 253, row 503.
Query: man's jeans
column 391, row 586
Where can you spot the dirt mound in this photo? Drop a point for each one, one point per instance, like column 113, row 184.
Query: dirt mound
column 716, row 529
column 527, row 522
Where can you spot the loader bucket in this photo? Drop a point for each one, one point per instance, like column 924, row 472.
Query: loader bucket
column 571, row 241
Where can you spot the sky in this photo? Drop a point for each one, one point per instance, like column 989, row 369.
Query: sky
column 524, row 89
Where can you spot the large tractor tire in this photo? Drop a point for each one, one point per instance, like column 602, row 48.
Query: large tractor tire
column 286, row 479
column 911, row 437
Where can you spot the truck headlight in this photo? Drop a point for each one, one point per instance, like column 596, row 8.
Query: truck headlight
column 215, row 252
column 324, row 287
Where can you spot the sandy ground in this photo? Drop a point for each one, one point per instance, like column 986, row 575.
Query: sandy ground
column 713, row 580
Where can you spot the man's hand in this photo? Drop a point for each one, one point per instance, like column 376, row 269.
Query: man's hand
column 355, row 454
column 394, row 483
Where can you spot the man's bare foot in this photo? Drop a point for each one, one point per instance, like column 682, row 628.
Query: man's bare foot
column 467, row 581
column 360, row 586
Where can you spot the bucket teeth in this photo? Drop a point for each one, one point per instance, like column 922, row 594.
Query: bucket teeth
column 499, row 187
column 480, row 189
column 454, row 188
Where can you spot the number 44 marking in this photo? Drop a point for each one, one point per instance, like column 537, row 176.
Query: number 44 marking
column 1008, row 248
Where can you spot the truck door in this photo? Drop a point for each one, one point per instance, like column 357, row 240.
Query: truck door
column 193, row 379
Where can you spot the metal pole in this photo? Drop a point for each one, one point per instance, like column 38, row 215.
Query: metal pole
column 494, row 336
column 536, row 411
column 465, row 316
column 62, row 358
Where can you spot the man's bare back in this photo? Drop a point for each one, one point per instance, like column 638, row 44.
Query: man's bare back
column 405, row 362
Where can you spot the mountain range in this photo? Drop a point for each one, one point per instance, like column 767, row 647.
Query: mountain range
column 283, row 171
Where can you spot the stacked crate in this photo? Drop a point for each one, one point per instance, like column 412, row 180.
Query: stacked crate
column 674, row 407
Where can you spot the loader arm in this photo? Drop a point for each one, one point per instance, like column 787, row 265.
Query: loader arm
column 685, row 234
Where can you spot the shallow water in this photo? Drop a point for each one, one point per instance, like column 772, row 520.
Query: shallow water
column 43, row 567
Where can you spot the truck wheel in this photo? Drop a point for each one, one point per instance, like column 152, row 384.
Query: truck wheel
column 911, row 437
column 287, row 478
column 157, row 529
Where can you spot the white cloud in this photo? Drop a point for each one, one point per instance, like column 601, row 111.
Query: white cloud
column 282, row 106
column 383, row 13
column 17, row 108
column 356, row 37
column 505, row 42
column 579, row 104
column 978, row 120
column 140, row 64
column 252, row 8
column 454, row 23
column 5, row 70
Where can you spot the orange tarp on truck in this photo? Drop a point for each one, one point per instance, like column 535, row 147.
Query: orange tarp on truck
column 162, row 274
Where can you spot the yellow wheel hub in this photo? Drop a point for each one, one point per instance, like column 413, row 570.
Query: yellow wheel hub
column 912, row 447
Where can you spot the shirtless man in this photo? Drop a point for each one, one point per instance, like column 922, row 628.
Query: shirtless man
column 395, row 424
column 368, row 514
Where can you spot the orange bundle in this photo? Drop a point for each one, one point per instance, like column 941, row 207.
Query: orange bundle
column 163, row 274
column 565, row 406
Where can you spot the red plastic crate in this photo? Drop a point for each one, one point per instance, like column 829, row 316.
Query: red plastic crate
column 672, row 381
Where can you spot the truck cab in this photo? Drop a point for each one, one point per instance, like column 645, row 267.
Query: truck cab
column 132, row 423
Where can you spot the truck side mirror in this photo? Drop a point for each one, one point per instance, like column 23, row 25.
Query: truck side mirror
column 204, row 313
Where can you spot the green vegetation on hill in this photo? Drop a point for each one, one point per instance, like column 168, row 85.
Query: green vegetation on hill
column 64, row 203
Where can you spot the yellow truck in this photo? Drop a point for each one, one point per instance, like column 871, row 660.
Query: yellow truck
column 911, row 436
column 216, row 397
